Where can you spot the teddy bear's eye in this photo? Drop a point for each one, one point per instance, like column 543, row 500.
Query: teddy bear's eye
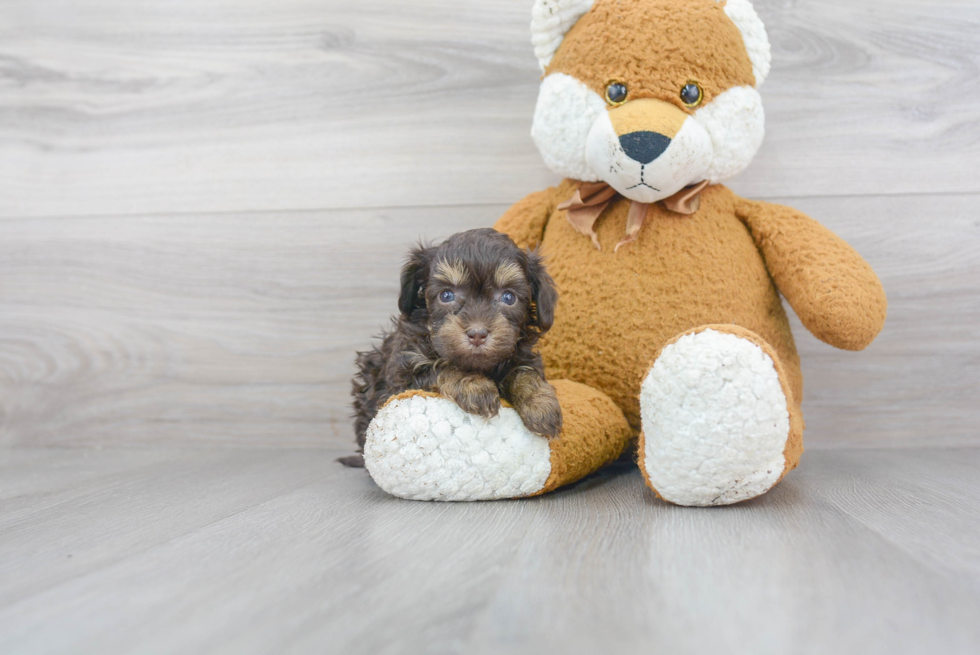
column 616, row 93
column 692, row 95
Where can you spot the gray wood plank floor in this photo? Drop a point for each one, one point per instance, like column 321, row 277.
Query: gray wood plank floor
column 250, row 551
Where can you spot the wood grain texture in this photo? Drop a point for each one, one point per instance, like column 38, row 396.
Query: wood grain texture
column 121, row 107
column 257, row 552
column 203, row 208
column 241, row 329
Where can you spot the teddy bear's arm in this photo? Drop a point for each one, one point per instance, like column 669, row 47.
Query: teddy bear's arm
column 831, row 288
column 525, row 221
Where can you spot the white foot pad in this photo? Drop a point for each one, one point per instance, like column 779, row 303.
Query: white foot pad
column 715, row 421
column 425, row 448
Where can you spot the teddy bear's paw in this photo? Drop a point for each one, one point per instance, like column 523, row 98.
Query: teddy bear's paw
column 424, row 447
column 715, row 421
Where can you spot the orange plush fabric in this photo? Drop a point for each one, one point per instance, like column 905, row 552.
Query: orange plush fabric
column 834, row 292
column 618, row 309
column 618, row 40
column 717, row 268
column 594, row 434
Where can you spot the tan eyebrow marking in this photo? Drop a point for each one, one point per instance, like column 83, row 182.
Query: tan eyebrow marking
column 451, row 272
column 507, row 274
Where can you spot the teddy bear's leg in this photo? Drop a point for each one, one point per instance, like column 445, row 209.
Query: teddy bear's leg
column 720, row 423
column 421, row 446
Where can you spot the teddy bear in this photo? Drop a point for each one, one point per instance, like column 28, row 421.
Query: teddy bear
column 670, row 332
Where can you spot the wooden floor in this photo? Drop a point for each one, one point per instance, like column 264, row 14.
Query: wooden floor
column 250, row 551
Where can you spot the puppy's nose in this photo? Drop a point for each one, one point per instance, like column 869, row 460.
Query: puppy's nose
column 644, row 147
column 477, row 336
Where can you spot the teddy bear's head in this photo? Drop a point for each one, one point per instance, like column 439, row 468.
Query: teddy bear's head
column 649, row 96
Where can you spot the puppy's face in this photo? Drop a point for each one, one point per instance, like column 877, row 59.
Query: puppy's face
column 481, row 294
column 477, row 309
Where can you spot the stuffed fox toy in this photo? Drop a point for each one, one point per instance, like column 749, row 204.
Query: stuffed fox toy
column 670, row 329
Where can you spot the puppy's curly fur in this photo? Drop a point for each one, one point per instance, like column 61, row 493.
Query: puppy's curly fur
column 472, row 310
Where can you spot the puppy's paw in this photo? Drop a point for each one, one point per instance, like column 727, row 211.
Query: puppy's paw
column 541, row 413
column 478, row 395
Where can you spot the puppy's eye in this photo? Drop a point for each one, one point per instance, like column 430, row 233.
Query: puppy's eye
column 447, row 296
column 616, row 93
column 508, row 298
column 692, row 95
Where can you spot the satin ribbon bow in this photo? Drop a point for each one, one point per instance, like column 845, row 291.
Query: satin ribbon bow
column 592, row 198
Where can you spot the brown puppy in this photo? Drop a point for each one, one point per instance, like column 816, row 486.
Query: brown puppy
column 472, row 310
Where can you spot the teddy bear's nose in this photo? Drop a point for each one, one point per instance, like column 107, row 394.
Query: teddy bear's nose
column 644, row 147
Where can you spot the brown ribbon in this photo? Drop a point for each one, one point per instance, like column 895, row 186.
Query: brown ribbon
column 592, row 198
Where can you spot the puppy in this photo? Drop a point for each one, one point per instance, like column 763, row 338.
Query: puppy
column 472, row 310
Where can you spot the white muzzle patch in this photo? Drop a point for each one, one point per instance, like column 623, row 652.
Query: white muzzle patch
column 646, row 166
column 574, row 133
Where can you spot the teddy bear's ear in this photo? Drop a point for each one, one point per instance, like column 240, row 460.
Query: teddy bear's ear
column 754, row 36
column 550, row 22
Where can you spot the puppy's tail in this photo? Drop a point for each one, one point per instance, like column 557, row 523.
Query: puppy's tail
column 352, row 461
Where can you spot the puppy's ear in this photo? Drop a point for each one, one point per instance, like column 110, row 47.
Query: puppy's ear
column 543, row 292
column 415, row 274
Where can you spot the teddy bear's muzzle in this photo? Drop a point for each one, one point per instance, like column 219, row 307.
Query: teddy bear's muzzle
column 648, row 150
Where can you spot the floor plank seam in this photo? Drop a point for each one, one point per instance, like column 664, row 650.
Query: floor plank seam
column 503, row 205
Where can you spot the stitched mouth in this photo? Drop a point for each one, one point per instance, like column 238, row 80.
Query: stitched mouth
column 642, row 181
